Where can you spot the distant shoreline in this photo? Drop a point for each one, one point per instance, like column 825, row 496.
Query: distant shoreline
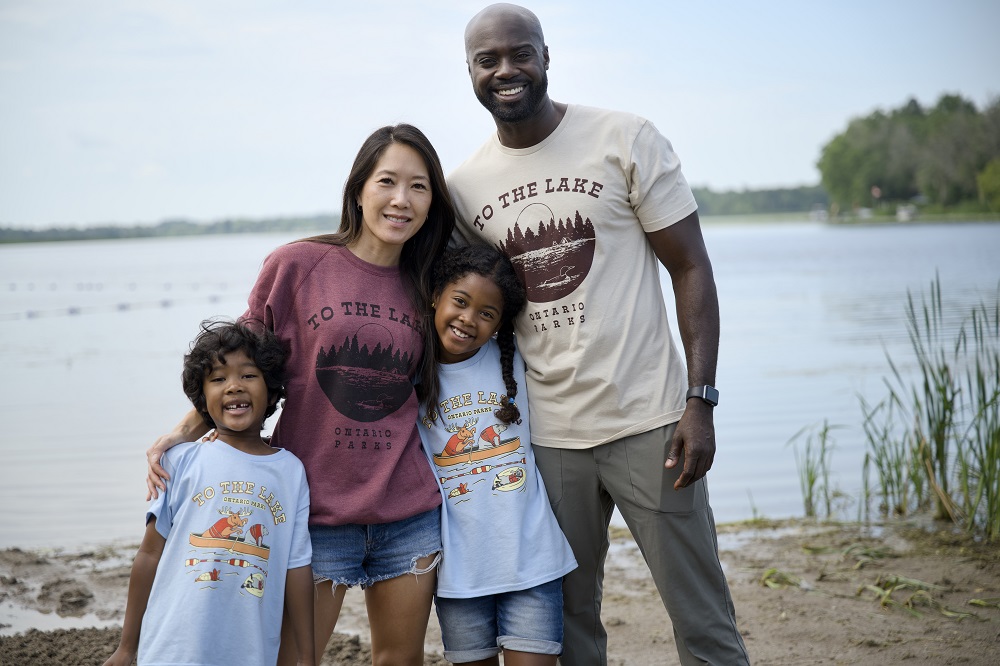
column 315, row 223
column 329, row 223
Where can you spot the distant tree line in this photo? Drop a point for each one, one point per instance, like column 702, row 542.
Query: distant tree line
column 750, row 202
column 947, row 156
column 322, row 223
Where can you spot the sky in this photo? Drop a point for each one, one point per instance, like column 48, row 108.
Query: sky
column 124, row 112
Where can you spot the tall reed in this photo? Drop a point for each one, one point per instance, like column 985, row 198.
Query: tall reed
column 936, row 439
column 813, row 467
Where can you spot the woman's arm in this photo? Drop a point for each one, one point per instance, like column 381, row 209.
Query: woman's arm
column 139, row 585
column 191, row 428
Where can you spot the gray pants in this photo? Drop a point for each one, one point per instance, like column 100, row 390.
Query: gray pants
column 675, row 531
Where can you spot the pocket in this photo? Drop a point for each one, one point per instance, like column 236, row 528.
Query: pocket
column 549, row 464
column 652, row 483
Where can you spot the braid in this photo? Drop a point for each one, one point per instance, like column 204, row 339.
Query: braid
column 508, row 412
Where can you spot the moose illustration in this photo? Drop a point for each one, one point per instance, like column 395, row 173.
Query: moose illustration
column 462, row 440
column 232, row 524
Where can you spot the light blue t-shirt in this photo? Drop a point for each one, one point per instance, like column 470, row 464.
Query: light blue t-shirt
column 497, row 528
column 234, row 524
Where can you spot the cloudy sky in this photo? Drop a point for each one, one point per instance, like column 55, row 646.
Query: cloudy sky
column 124, row 111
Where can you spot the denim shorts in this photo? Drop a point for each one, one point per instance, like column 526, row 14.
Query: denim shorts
column 365, row 554
column 526, row 620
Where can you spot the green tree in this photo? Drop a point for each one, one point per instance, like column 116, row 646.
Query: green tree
column 988, row 181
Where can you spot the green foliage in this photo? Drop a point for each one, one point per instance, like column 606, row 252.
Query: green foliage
column 750, row 202
column 936, row 438
column 988, row 181
column 909, row 152
column 813, row 465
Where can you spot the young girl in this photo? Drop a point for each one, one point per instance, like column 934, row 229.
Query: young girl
column 500, row 579
column 348, row 305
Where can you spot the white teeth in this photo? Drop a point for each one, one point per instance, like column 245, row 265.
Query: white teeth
column 242, row 405
column 512, row 91
column 395, row 218
column 460, row 333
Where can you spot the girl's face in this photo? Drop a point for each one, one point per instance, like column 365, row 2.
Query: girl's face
column 466, row 315
column 394, row 202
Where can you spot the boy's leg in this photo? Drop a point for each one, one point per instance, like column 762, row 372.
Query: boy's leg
column 583, row 509
column 675, row 531
column 327, row 610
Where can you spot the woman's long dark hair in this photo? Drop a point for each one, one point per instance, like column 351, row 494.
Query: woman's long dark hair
column 479, row 259
column 421, row 251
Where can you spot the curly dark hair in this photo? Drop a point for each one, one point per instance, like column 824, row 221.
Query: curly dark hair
column 487, row 261
column 220, row 337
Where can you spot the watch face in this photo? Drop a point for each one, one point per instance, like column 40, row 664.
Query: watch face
column 707, row 393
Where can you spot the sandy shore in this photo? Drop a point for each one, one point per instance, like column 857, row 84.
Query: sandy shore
column 812, row 613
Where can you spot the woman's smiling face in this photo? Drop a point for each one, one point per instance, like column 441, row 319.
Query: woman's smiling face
column 395, row 201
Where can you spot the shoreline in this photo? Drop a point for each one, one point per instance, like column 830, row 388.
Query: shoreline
column 805, row 592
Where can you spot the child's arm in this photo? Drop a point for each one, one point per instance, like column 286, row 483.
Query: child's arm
column 299, row 603
column 190, row 429
column 139, row 585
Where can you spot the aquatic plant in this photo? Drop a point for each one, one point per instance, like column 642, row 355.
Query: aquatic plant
column 935, row 439
column 813, row 467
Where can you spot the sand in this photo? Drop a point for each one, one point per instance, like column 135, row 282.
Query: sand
column 821, row 607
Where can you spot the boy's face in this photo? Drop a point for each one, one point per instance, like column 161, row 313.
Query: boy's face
column 236, row 395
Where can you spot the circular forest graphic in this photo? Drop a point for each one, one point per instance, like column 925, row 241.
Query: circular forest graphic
column 365, row 378
column 551, row 257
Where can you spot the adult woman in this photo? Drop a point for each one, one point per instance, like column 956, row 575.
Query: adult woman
column 348, row 305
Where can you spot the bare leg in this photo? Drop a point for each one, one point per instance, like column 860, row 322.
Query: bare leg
column 328, row 604
column 515, row 658
column 398, row 610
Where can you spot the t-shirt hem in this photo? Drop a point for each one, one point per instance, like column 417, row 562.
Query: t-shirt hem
column 509, row 587
column 645, row 426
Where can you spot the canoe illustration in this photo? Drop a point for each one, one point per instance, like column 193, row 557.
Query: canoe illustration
column 231, row 544
column 506, row 446
column 509, row 479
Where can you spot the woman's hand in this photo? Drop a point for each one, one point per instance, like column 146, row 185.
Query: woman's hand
column 156, row 476
column 191, row 427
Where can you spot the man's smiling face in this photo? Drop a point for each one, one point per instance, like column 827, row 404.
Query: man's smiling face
column 507, row 61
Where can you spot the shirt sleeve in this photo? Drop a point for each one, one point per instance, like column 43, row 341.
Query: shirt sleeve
column 161, row 508
column 301, row 551
column 658, row 191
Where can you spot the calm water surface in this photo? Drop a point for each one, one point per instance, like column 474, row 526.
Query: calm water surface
column 93, row 334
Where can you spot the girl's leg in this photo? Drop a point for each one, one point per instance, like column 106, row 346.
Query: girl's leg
column 327, row 610
column 516, row 658
column 398, row 610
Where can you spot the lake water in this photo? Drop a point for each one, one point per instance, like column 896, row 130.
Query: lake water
column 93, row 334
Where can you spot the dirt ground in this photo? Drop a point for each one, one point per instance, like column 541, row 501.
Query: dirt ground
column 804, row 594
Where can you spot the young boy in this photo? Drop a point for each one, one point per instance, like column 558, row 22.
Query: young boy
column 232, row 525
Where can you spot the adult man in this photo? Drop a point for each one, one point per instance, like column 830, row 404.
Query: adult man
column 585, row 201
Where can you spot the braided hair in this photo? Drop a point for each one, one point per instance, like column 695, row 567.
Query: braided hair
column 487, row 261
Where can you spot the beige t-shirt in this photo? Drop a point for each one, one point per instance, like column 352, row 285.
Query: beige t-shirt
column 572, row 212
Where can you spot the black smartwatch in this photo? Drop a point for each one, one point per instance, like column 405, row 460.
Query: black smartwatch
column 707, row 393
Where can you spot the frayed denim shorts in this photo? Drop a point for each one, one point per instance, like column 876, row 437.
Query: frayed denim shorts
column 526, row 620
column 365, row 554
